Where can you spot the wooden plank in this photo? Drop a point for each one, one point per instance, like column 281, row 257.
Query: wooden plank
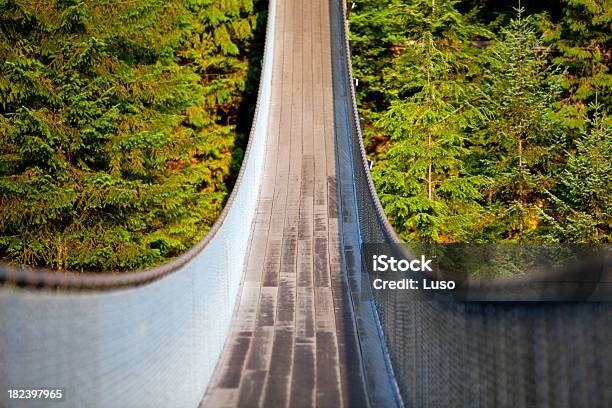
column 267, row 307
column 321, row 261
column 303, row 378
column 285, row 311
column 276, row 391
column 307, row 108
column 232, row 370
column 220, row 398
column 328, row 92
column 244, row 319
column 251, row 389
column 272, row 261
column 332, row 204
column 259, row 356
column 305, row 313
column 319, row 135
column 327, row 375
column 307, row 196
column 325, row 318
column 305, row 263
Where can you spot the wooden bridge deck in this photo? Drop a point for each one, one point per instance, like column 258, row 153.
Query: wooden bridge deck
column 293, row 340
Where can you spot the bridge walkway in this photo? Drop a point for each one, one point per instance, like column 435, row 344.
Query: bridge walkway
column 293, row 340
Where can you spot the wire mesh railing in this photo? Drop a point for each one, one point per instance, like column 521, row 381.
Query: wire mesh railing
column 141, row 339
column 448, row 353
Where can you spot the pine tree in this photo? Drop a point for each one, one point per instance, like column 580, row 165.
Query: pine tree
column 582, row 42
column 582, row 206
column 523, row 139
column 423, row 182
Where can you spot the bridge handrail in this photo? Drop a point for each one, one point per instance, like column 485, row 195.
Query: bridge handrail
column 248, row 177
column 446, row 352
column 136, row 339
column 373, row 225
column 362, row 160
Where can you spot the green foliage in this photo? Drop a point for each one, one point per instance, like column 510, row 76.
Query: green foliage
column 582, row 41
column 423, row 182
column 584, row 196
column 117, row 127
column 521, row 142
column 481, row 136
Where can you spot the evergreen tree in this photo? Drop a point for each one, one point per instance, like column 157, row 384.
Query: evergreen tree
column 582, row 42
column 378, row 34
column 117, row 127
column 523, row 139
column 423, row 182
column 582, row 207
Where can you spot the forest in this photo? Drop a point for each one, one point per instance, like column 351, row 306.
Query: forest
column 487, row 121
column 122, row 126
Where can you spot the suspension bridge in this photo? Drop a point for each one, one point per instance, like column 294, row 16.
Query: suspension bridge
column 268, row 310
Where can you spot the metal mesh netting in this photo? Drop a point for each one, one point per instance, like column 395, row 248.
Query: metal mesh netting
column 450, row 353
column 152, row 338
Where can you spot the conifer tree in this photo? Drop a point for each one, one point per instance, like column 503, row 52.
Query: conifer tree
column 582, row 40
column 523, row 138
column 582, row 206
column 423, row 182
